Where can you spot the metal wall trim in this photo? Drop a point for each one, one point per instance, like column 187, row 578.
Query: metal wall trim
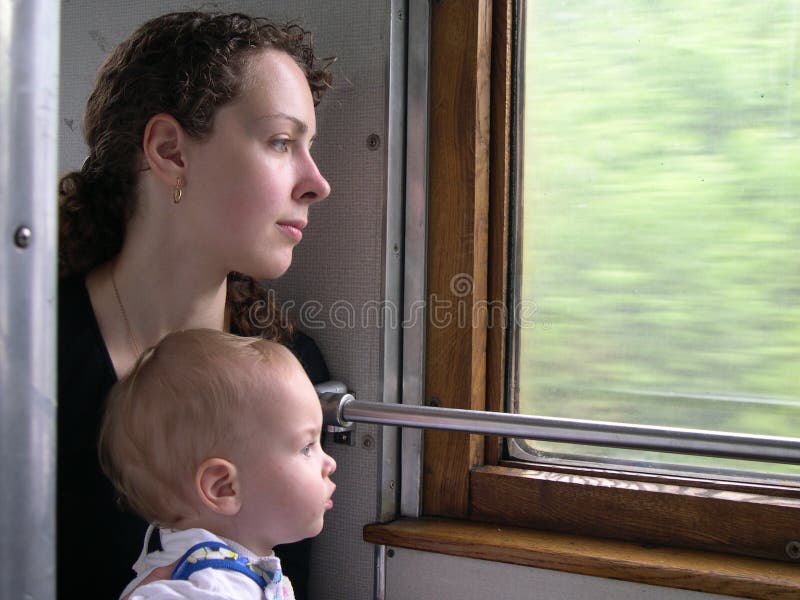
column 29, row 43
column 388, row 457
column 389, row 466
column 415, row 254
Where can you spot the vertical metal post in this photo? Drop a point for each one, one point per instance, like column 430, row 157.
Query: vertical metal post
column 388, row 452
column 388, row 465
column 415, row 251
column 29, row 43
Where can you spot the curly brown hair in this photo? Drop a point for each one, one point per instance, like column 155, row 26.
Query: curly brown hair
column 186, row 64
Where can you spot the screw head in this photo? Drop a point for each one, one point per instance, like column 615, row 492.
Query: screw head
column 22, row 236
column 793, row 550
column 373, row 141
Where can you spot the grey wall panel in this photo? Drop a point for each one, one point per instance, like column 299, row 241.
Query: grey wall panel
column 344, row 240
column 411, row 575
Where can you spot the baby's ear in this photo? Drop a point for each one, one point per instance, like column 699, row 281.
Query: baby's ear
column 217, row 483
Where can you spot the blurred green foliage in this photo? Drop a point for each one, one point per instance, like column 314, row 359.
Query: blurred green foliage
column 661, row 213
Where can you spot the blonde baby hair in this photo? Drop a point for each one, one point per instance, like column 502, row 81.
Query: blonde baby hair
column 186, row 400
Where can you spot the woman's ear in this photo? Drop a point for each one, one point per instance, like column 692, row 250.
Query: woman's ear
column 217, row 483
column 164, row 147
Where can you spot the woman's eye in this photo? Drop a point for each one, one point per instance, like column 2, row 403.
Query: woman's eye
column 281, row 144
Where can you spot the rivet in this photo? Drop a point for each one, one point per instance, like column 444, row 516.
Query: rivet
column 22, row 236
column 373, row 141
column 793, row 550
column 367, row 442
column 390, row 552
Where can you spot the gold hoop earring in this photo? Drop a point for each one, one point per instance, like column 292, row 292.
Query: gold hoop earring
column 177, row 193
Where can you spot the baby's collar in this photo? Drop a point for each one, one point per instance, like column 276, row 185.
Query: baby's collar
column 141, row 563
column 239, row 549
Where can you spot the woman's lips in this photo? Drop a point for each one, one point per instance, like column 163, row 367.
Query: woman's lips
column 292, row 230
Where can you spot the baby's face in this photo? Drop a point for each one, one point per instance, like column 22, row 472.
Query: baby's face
column 285, row 479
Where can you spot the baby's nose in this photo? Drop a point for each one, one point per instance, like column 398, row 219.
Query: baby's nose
column 330, row 465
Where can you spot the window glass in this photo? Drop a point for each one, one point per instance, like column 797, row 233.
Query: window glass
column 659, row 266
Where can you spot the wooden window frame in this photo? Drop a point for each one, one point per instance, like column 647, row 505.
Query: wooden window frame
column 464, row 476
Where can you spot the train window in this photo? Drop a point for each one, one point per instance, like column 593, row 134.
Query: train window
column 658, row 252
column 655, row 173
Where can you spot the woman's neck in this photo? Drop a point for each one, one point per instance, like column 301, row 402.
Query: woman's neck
column 140, row 298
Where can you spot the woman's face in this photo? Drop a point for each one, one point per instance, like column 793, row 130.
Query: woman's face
column 249, row 184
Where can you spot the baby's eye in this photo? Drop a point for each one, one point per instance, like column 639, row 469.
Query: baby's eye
column 307, row 450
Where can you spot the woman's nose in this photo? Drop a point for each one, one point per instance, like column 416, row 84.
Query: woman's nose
column 312, row 186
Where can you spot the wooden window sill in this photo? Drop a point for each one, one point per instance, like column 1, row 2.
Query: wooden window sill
column 669, row 567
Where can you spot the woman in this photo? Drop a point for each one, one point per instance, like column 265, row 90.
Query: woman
column 198, row 183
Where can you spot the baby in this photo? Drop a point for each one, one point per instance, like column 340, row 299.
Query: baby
column 215, row 439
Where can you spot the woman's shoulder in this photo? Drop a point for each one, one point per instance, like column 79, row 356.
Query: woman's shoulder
column 74, row 306
column 82, row 355
column 76, row 319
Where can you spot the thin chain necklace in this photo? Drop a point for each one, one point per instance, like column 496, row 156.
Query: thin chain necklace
column 131, row 337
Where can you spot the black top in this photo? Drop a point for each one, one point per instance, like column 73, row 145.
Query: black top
column 97, row 541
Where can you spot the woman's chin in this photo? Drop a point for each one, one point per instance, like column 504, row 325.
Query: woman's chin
column 273, row 269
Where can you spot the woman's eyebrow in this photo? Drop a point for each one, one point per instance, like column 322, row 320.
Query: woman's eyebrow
column 301, row 125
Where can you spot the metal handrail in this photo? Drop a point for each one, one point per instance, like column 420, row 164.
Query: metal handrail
column 341, row 410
